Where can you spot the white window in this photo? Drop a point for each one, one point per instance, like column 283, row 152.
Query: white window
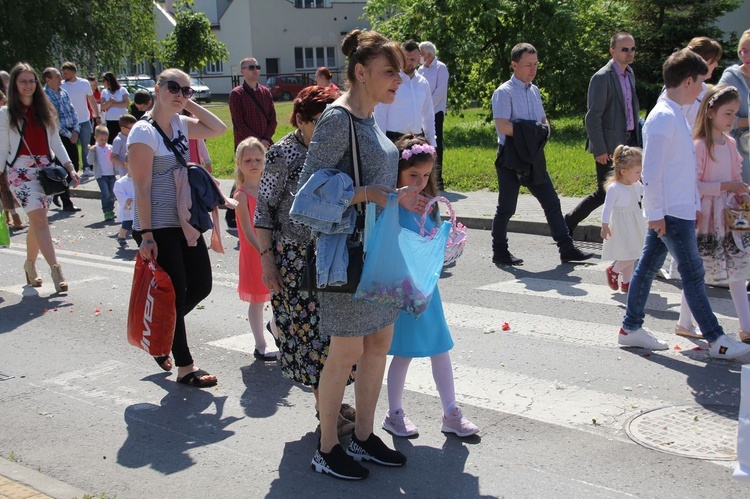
column 140, row 68
column 310, row 4
column 215, row 67
column 314, row 57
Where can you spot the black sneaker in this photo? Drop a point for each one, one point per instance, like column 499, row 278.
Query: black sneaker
column 338, row 464
column 373, row 449
column 574, row 255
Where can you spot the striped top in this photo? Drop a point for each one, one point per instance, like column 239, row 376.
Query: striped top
column 163, row 190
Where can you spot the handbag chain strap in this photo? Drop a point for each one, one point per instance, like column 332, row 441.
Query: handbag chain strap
column 30, row 153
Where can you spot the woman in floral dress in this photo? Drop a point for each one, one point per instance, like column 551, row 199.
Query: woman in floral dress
column 283, row 245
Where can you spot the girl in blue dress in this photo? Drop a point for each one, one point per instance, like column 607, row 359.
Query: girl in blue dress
column 428, row 335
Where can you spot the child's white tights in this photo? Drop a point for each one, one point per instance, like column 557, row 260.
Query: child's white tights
column 625, row 269
column 255, row 318
column 739, row 296
column 442, row 373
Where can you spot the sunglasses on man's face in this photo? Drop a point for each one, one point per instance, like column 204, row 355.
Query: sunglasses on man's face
column 175, row 88
column 252, row 66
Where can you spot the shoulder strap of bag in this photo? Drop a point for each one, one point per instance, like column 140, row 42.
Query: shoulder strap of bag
column 257, row 104
column 356, row 158
column 21, row 132
column 167, row 141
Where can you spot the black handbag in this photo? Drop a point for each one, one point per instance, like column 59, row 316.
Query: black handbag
column 54, row 178
column 355, row 250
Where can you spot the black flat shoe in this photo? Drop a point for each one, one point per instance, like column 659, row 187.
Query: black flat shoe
column 506, row 259
column 56, row 200
column 71, row 208
column 265, row 357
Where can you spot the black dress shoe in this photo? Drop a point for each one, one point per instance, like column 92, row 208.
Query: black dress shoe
column 506, row 259
column 71, row 208
column 574, row 255
column 56, row 200
column 266, row 357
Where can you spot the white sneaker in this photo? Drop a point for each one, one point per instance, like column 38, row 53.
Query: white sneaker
column 727, row 348
column 455, row 422
column 87, row 172
column 641, row 339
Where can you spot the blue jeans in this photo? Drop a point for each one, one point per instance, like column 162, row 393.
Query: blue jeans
column 84, row 137
column 106, row 186
column 681, row 242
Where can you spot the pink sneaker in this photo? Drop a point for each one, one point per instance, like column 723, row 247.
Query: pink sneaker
column 398, row 424
column 456, row 423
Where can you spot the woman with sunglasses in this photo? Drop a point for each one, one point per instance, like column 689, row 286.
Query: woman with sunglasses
column 156, row 226
column 738, row 76
column 114, row 103
column 29, row 142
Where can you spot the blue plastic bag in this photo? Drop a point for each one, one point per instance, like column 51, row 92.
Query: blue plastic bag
column 401, row 267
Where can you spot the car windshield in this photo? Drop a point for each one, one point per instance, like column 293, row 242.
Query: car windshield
column 148, row 82
column 197, row 82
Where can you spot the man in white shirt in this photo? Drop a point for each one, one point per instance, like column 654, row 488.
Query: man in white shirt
column 81, row 96
column 411, row 111
column 436, row 74
column 671, row 203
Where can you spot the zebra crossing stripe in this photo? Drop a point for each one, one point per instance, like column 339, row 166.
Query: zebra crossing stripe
column 599, row 294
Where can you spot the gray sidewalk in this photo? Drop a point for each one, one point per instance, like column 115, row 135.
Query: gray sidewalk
column 473, row 209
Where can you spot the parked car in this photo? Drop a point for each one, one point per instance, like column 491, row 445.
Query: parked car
column 135, row 83
column 286, row 87
column 201, row 90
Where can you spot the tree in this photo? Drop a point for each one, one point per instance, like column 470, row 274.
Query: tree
column 91, row 33
column 192, row 43
column 661, row 26
column 474, row 38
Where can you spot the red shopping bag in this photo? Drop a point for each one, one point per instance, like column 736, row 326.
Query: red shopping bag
column 151, row 315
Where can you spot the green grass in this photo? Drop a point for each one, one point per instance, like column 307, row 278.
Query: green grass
column 470, row 150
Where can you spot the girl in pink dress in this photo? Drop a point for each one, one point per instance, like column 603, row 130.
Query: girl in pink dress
column 249, row 162
column 719, row 182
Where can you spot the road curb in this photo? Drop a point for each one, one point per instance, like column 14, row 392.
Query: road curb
column 588, row 233
column 39, row 481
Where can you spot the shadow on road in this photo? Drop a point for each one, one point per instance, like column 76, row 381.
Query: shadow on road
column 429, row 472
column 264, row 391
column 30, row 307
column 161, row 436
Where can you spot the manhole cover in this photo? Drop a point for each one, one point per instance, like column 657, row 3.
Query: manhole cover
column 699, row 432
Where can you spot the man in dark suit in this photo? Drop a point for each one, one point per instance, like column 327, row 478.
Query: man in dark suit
column 611, row 119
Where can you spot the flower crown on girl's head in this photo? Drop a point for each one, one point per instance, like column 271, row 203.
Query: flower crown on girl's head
column 417, row 149
column 718, row 94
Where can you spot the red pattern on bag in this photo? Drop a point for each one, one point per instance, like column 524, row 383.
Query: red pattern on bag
column 151, row 315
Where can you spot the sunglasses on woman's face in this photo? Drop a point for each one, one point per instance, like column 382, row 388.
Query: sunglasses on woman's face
column 175, row 88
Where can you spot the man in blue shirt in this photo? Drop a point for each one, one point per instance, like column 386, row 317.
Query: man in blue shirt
column 69, row 128
column 519, row 99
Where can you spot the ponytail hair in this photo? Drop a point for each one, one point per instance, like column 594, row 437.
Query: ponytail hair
column 624, row 158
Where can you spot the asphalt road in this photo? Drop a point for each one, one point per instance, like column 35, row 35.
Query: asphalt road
column 552, row 395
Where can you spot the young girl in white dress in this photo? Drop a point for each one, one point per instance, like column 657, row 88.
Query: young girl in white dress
column 719, row 181
column 623, row 223
column 428, row 335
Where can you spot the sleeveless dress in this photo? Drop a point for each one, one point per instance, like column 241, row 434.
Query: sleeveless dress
column 250, row 287
column 623, row 210
column 427, row 335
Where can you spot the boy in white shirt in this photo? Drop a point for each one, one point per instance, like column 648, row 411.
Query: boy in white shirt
column 100, row 158
column 671, row 203
column 120, row 144
column 125, row 193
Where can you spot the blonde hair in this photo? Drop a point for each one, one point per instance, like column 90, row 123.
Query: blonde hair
column 248, row 143
column 624, row 158
column 101, row 130
column 743, row 39
column 714, row 99
column 169, row 74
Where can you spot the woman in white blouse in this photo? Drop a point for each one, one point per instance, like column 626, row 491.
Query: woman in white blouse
column 115, row 102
